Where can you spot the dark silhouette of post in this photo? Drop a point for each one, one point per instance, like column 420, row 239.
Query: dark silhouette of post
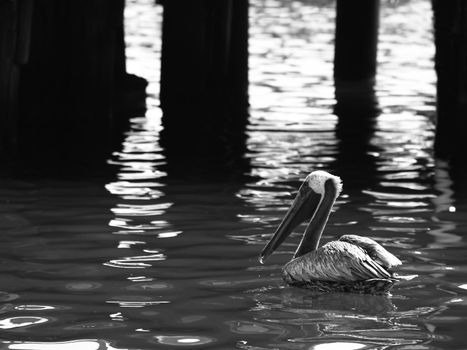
column 68, row 82
column 450, row 22
column 64, row 90
column 355, row 160
column 15, row 39
column 356, row 40
column 204, row 75
column 355, row 61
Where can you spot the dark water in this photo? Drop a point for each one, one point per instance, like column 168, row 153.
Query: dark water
column 150, row 261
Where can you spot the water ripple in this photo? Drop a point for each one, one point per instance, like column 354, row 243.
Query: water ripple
column 183, row 340
column 21, row 321
column 136, row 262
column 82, row 344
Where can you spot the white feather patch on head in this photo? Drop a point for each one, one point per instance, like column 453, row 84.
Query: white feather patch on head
column 317, row 179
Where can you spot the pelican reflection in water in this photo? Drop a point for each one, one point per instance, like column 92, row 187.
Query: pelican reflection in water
column 351, row 264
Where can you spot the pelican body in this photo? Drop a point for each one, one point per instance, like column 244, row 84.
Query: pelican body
column 351, row 264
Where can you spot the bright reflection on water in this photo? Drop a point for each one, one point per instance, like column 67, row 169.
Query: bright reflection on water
column 150, row 260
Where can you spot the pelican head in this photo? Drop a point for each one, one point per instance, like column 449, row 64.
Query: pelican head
column 313, row 202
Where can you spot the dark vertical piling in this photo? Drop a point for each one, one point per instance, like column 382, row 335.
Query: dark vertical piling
column 238, row 65
column 450, row 23
column 25, row 10
column 8, row 79
column 15, row 33
column 356, row 40
column 355, row 62
column 63, row 82
column 204, row 75
column 354, row 131
column 67, row 84
column 71, row 88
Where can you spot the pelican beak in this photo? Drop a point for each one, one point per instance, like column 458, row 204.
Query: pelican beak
column 305, row 205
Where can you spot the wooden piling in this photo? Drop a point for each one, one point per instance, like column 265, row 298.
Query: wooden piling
column 72, row 83
column 450, row 23
column 8, row 73
column 238, row 65
column 25, row 10
column 357, row 114
column 64, row 90
column 204, row 74
column 356, row 40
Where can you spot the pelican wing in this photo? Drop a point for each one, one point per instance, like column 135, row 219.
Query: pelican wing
column 373, row 249
column 336, row 261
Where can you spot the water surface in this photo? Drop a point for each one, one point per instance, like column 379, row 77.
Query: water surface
column 148, row 260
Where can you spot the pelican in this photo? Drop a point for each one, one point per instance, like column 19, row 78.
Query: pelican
column 351, row 264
